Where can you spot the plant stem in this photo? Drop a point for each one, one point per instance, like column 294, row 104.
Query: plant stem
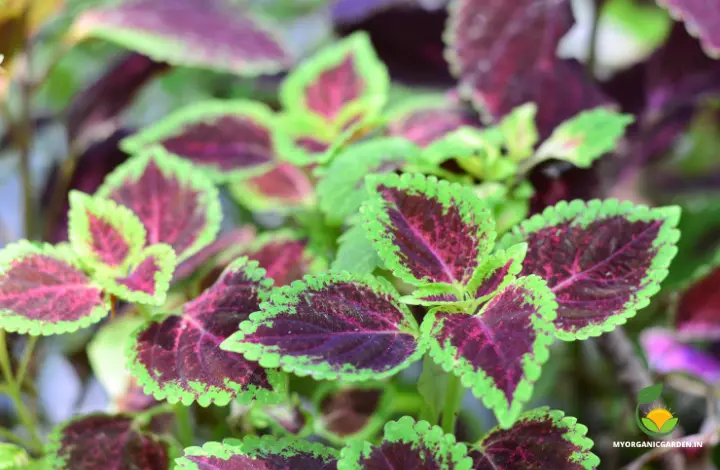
column 184, row 425
column 144, row 312
column 27, row 354
column 13, row 390
column 10, row 436
column 453, row 397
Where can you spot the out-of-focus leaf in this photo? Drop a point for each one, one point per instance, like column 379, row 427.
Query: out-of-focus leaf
column 666, row 354
column 701, row 18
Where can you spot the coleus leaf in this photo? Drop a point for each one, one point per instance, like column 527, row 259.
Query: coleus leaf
column 702, row 19
column 331, row 326
column 148, row 278
column 540, row 439
column 282, row 188
column 603, row 260
column 284, row 256
column 407, row 444
column 666, row 354
column 586, row 137
column 425, row 230
column 214, row 34
column 104, row 234
column 355, row 411
column 697, row 310
column 355, row 252
column 498, row 350
column 304, row 139
column 226, row 139
column 236, row 236
column 179, row 359
column 176, row 204
column 13, row 457
column 332, row 83
column 341, row 190
column 108, row 441
column 519, row 132
column 44, row 291
column 423, row 121
column 267, row 453
column 504, row 54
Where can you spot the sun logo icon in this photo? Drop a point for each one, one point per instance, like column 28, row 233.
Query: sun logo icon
column 658, row 421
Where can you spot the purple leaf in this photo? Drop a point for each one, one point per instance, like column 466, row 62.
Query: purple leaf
column 697, row 313
column 333, row 83
column 498, row 350
column 702, row 19
column 284, row 257
column 179, row 358
column 427, row 230
column 266, row 453
column 176, row 204
column 93, row 113
column 425, row 121
column 282, row 188
column 504, row 54
column 43, row 291
column 226, row 139
column 238, row 236
column 667, row 354
column 105, row 441
column 353, row 412
column 407, row 444
column 331, row 326
column 540, row 439
column 602, row 259
column 148, row 279
column 104, row 234
column 213, row 34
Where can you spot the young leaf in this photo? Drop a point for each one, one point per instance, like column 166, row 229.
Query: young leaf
column 282, row 188
column 519, row 132
column 226, row 139
column 303, row 139
column 268, row 453
column 104, row 235
column 43, row 291
column 13, row 457
column 701, row 20
column 148, row 278
column 541, row 438
column 427, row 230
column 586, row 137
column 179, row 359
column 407, row 444
column 214, row 34
column 341, row 191
column 339, row 76
column 423, row 121
column 107, row 441
column 603, row 260
column 499, row 350
column 355, row 253
column 697, row 310
column 331, row 326
column 504, row 54
column 432, row 390
column 176, row 204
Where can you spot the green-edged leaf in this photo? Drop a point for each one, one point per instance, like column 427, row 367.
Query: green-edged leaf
column 12, row 457
column 603, row 260
column 649, row 394
column 283, row 188
column 178, row 358
column 177, row 204
column 106, row 236
column 540, row 439
column 303, row 139
column 252, row 452
column 586, row 137
column 497, row 351
column 345, row 73
column 44, row 291
column 407, row 444
column 226, row 139
column 342, row 188
column 425, row 230
column 96, row 441
column 357, row 411
column 333, row 325
column 355, row 253
column 519, row 132
column 148, row 278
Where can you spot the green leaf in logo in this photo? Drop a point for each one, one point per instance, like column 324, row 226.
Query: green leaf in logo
column 649, row 425
column 649, row 394
column 669, row 425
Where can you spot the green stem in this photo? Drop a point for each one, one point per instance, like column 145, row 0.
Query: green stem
column 10, row 436
column 147, row 315
column 408, row 403
column 184, row 425
column 13, row 390
column 453, row 398
column 27, row 355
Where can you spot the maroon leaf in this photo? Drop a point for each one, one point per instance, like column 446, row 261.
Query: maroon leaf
column 104, row 441
column 353, row 412
column 504, row 54
column 282, row 188
column 213, row 34
column 235, row 237
column 179, row 358
column 702, row 19
column 92, row 115
column 426, row 123
column 283, row 256
column 698, row 307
